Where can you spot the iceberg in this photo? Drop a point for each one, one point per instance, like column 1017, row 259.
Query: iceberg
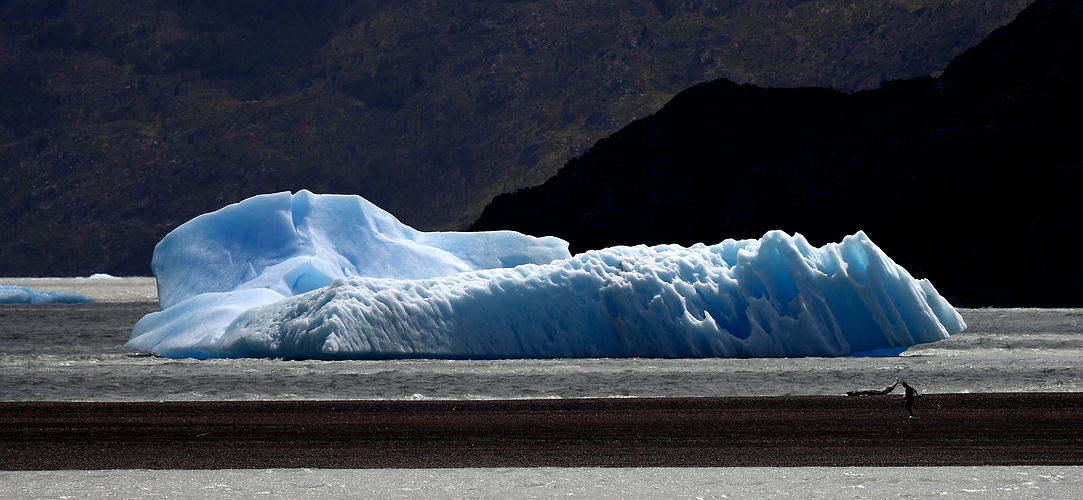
column 13, row 294
column 97, row 276
column 335, row 277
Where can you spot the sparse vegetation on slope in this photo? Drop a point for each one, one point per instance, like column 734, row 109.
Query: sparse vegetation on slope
column 120, row 119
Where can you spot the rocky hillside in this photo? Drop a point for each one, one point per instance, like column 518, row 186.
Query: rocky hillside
column 120, row 119
column 972, row 179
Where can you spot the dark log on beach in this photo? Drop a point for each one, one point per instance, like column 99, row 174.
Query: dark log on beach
column 875, row 392
column 951, row 429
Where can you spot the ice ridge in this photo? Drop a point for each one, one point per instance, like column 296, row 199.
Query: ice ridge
column 335, row 277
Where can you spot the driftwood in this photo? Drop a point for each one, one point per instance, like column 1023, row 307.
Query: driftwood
column 874, row 392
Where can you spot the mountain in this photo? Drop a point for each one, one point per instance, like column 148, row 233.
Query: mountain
column 121, row 119
column 972, row 179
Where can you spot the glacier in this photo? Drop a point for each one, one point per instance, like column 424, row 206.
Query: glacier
column 334, row 277
column 13, row 294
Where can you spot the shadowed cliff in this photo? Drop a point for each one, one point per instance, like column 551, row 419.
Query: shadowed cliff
column 971, row 179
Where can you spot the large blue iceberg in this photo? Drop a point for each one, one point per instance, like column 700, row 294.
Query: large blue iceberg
column 335, row 277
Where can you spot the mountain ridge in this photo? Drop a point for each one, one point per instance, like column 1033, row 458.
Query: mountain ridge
column 121, row 119
column 956, row 177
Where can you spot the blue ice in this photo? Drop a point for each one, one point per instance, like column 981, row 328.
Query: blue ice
column 335, row 277
column 12, row 294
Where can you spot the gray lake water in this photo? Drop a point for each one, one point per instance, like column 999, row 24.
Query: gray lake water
column 74, row 353
column 595, row 484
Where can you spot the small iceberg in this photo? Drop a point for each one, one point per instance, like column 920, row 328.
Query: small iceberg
column 335, row 277
column 97, row 276
column 12, row 294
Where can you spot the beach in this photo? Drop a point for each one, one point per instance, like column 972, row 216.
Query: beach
column 950, row 430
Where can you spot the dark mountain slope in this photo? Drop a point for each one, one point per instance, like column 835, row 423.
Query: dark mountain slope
column 121, row 119
column 972, row 179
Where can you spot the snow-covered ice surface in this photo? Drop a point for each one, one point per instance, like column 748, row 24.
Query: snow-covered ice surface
column 335, row 277
column 14, row 294
column 293, row 243
column 594, row 483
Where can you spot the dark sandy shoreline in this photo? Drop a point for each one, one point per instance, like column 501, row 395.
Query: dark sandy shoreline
column 952, row 429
